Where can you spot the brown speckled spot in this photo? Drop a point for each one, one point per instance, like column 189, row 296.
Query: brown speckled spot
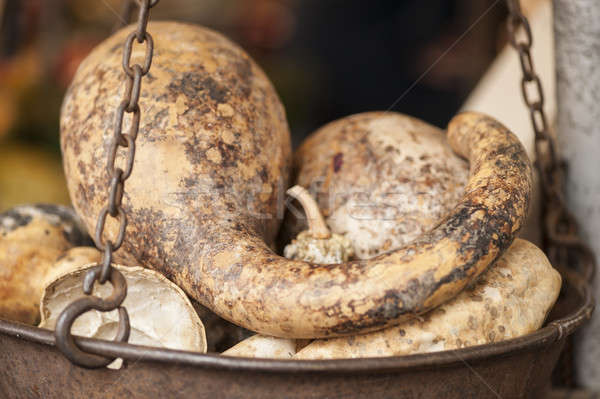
column 494, row 312
column 338, row 161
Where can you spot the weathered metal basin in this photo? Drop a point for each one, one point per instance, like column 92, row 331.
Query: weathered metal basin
column 32, row 367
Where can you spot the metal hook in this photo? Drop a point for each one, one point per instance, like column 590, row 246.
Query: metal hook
column 64, row 339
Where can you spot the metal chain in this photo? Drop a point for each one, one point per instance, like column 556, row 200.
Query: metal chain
column 562, row 242
column 117, row 176
column 530, row 80
column 559, row 226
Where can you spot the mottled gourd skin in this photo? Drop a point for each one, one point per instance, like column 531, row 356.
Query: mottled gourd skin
column 32, row 239
column 510, row 299
column 212, row 152
column 380, row 178
column 213, row 144
column 212, row 156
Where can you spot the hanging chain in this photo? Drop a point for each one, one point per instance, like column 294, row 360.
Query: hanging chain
column 561, row 238
column 562, row 243
column 117, row 176
column 530, row 80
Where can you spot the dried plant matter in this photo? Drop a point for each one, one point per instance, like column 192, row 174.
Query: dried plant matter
column 380, row 179
column 212, row 156
column 159, row 312
column 510, row 299
column 73, row 259
column 32, row 238
column 261, row 346
column 316, row 244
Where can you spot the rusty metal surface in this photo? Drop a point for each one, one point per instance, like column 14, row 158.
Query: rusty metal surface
column 573, row 394
column 34, row 368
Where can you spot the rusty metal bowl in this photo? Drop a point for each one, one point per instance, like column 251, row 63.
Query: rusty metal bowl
column 32, row 367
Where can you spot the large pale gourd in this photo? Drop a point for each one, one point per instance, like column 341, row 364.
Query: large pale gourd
column 381, row 179
column 213, row 141
column 212, row 157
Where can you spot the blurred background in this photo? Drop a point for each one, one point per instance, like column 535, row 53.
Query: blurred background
column 327, row 59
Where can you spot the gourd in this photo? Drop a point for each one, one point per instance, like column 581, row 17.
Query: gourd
column 381, row 179
column 316, row 244
column 202, row 203
column 414, row 174
column 510, row 299
column 32, row 239
column 261, row 346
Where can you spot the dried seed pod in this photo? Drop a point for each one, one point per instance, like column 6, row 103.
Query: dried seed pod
column 316, row 244
column 160, row 313
column 207, row 216
column 509, row 300
column 262, row 346
column 32, row 237
column 381, row 179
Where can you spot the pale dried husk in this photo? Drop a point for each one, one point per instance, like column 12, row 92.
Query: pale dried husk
column 510, row 299
column 160, row 313
column 264, row 346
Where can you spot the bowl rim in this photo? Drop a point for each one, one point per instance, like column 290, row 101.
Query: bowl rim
column 551, row 333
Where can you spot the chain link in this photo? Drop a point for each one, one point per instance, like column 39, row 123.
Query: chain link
column 129, row 105
column 113, row 209
column 518, row 22
column 562, row 243
column 561, row 234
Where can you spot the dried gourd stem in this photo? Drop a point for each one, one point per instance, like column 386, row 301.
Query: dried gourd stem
column 316, row 224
